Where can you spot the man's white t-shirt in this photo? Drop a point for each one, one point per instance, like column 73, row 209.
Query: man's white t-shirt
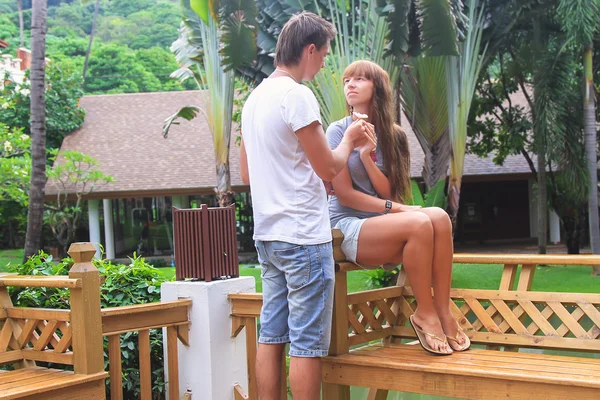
column 288, row 198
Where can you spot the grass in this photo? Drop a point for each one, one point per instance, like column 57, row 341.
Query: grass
column 10, row 256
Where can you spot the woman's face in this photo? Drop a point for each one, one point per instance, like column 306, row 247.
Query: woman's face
column 358, row 91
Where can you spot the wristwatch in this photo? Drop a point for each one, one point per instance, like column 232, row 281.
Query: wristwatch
column 388, row 206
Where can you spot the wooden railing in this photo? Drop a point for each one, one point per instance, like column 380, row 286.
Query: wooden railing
column 141, row 318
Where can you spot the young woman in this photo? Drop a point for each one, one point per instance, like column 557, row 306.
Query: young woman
column 368, row 207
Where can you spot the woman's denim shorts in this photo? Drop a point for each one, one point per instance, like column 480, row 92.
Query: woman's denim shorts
column 297, row 283
column 350, row 227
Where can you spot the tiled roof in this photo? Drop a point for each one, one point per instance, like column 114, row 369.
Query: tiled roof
column 123, row 133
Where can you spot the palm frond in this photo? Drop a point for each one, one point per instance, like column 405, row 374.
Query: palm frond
column 361, row 34
column 580, row 19
column 188, row 113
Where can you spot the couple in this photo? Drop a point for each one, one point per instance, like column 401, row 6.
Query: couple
column 285, row 157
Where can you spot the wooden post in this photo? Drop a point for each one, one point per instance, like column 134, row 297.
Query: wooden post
column 86, row 319
column 339, row 335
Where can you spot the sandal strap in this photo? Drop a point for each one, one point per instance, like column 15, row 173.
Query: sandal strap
column 435, row 337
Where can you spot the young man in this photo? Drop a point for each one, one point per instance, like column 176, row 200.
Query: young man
column 285, row 158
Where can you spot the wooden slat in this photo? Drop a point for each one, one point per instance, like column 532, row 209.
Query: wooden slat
column 145, row 370
column 114, row 363
column 508, row 277
column 41, row 281
column 482, row 315
column 375, row 294
column 27, row 333
column 246, row 304
column 385, row 308
column 537, row 317
column 10, row 356
column 568, row 320
column 39, row 313
column 48, row 356
column 355, row 323
column 5, row 335
column 134, row 318
column 520, row 259
column 366, row 337
column 238, row 393
column 251, row 339
column 509, row 317
column 66, row 340
column 526, row 277
column 590, row 311
column 518, row 340
column 368, row 314
column 45, row 336
column 172, row 362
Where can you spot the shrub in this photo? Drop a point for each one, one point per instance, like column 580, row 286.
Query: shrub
column 379, row 278
column 136, row 283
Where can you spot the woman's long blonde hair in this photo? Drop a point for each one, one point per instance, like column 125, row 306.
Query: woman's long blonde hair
column 390, row 136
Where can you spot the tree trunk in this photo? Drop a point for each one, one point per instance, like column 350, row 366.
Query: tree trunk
column 223, row 189
column 589, row 116
column 540, row 139
column 33, row 238
column 92, row 32
column 21, row 27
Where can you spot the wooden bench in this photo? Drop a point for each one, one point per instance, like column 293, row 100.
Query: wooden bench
column 509, row 318
column 65, row 337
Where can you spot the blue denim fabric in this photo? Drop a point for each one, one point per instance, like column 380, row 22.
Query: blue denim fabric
column 298, row 285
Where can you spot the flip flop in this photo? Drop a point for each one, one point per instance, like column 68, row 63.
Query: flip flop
column 422, row 335
column 459, row 347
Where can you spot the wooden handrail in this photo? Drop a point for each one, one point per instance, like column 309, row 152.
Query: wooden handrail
column 41, row 281
column 529, row 259
column 124, row 319
column 246, row 304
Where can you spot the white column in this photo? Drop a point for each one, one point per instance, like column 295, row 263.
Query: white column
column 214, row 362
column 554, row 227
column 185, row 201
column 176, row 201
column 109, row 232
column 94, row 224
column 532, row 210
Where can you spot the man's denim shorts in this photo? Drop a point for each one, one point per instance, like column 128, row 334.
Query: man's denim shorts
column 297, row 283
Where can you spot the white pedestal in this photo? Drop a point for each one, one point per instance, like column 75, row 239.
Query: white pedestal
column 214, row 362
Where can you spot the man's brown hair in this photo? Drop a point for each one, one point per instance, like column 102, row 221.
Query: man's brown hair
column 301, row 30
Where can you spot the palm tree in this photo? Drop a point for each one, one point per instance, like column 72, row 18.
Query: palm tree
column 214, row 40
column 38, row 128
column 580, row 20
column 21, row 27
column 92, row 32
column 462, row 75
column 425, row 102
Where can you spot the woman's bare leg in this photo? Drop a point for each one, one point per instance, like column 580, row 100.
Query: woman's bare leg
column 406, row 238
column 443, row 249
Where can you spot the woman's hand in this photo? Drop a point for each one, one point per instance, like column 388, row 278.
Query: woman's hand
column 368, row 147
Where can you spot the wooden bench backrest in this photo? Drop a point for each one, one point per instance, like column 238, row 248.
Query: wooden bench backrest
column 70, row 337
column 35, row 334
column 510, row 316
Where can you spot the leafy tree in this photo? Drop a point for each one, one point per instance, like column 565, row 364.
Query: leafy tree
column 15, row 164
column 116, row 69
column 75, row 176
column 62, row 94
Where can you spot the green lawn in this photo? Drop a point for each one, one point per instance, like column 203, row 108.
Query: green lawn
column 10, row 256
